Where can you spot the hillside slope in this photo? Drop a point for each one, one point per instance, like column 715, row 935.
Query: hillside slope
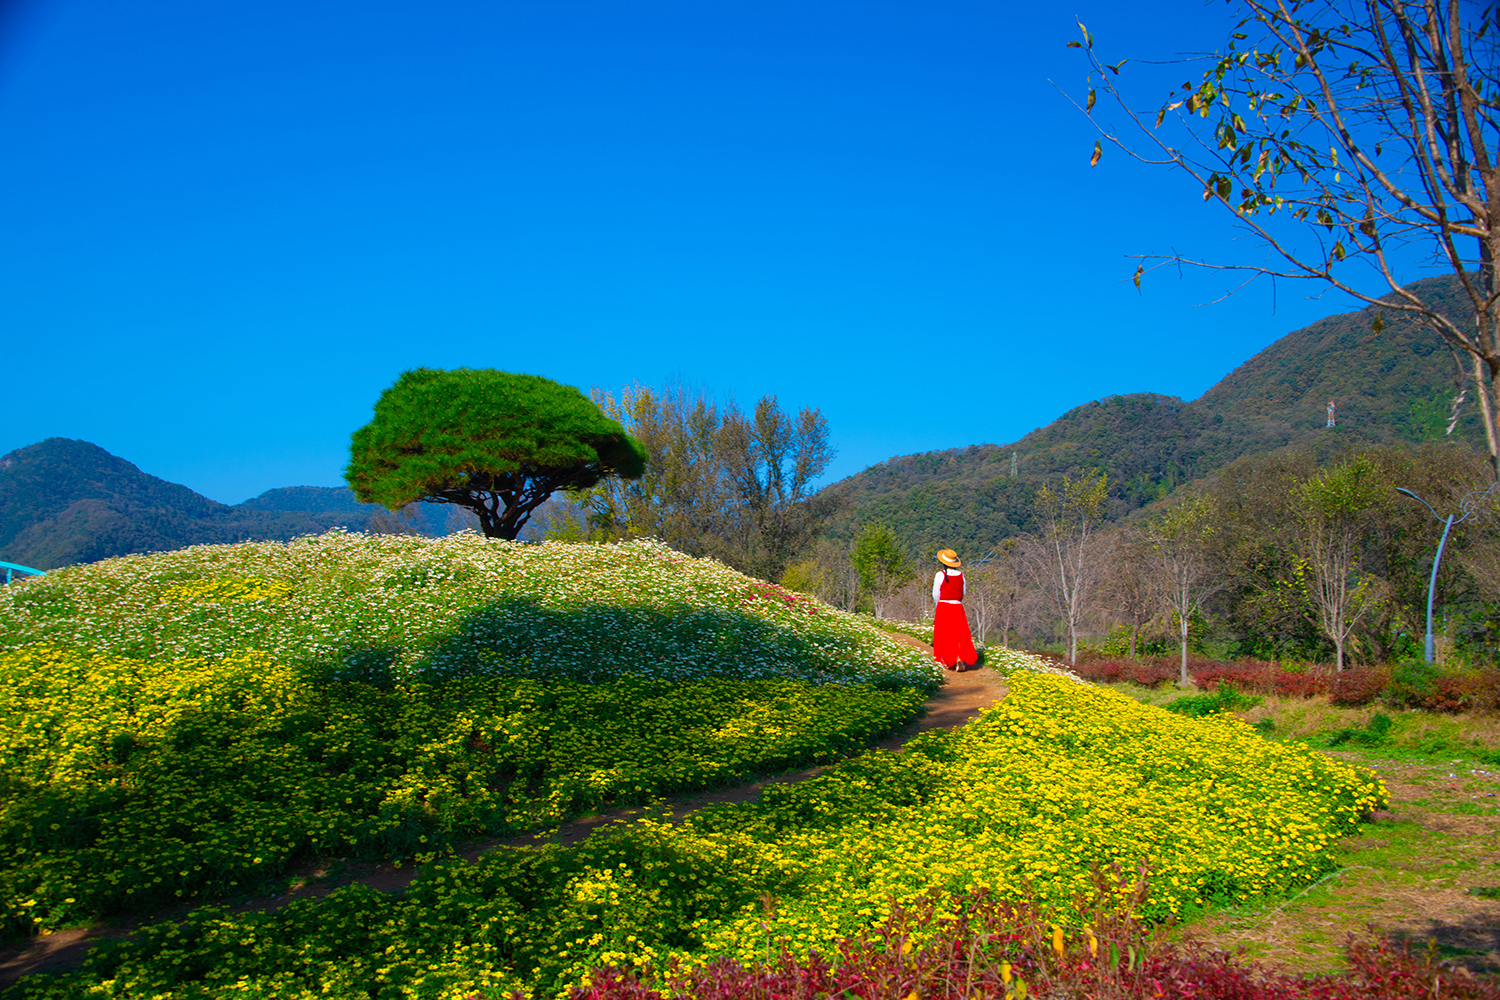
column 65, row 501
column 1396, row 385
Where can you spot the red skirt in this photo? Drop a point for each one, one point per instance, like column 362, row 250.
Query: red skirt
column 951, row 644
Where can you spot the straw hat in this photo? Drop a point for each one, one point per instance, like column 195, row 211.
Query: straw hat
column 949, row 558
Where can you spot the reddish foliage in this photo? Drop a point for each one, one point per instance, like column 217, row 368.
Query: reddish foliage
column 1103, row 672
column 1109, row 671
column 1359, row 685
column 1302, row 685
column 1151, row 674
column 990, row 949
column 1248, row 675
column 1462, row 692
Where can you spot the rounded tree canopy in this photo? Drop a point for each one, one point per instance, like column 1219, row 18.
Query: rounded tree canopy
column 437, row 434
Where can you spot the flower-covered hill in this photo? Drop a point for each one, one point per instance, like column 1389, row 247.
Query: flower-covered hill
column 461, row 604
column 188, row 725
column 1056, row 783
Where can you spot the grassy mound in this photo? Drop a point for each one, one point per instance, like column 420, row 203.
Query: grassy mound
column 189, row 725
column 386, row 608
column 1025, row 802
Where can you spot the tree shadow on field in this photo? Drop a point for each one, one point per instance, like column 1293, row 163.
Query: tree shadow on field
column 1472, row 942
column 520, row 637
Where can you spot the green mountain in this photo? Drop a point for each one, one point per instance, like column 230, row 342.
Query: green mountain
column 64, row 501
column 1394, row 385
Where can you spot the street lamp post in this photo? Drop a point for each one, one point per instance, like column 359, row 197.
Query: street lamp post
column 1468, row 508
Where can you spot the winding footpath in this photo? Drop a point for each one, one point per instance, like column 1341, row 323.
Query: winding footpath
column 961, row 698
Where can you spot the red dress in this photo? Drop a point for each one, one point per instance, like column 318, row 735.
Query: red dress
column 951, row 644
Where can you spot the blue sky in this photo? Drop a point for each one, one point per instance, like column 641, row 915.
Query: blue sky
column 225, row 226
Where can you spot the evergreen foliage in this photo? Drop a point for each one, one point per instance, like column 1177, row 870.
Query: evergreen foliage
column 497, row 443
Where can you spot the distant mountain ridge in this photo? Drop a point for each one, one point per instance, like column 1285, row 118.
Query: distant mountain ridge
column 1395, row 385
column 64, row 501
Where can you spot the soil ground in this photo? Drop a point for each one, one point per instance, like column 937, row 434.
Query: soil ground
column 961, row 698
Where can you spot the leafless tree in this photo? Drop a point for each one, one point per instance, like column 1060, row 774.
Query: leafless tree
column 1332, row 508
column 998, row 595
column 683, row 494
column 770, row 462
column 718, row 482
column 912, row 601
column 1344, row 131
column 827, row 574
column 1068, row 556
column 1181, row 541
column 1133, row 584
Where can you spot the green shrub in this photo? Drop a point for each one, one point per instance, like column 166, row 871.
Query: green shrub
column 1373, row 734
column 1224, row 698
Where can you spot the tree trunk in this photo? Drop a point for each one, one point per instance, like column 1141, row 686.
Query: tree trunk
column 1338, row 655
column 1185, row 680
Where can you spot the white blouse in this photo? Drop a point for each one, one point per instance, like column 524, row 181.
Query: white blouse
column 937, row 582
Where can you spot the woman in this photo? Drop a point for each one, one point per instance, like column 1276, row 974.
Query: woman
column 951, row 644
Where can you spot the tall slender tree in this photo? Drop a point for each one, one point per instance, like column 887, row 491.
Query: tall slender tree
column 1071, row 561
column 1181, row 540
column 1133, row 584
column 1334, row 508
column 880, row 559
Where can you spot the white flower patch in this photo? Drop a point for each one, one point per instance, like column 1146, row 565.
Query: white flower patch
column 463, row 604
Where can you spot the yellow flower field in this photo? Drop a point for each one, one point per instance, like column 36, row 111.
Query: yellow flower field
column 1058, row 778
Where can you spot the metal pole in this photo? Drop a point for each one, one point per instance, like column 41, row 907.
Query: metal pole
column 1432, row 585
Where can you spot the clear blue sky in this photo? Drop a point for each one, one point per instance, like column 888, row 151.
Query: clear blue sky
column 226, row 225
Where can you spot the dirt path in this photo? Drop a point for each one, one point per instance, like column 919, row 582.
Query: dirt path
column 960, row 699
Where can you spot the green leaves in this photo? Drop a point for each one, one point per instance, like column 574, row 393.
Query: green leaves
column 468, row 436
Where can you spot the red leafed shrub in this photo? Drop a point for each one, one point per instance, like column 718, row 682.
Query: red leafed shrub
column 1150, row 674
column 1460, row 692
column 1103, row 671
column 1302, row 685
column 997, row 951
column 1247, row 675
column 1359, row 685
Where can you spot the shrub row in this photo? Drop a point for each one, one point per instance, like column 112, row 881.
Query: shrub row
column 1406, row 685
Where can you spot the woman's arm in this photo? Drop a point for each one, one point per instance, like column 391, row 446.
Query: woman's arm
column 937, row 586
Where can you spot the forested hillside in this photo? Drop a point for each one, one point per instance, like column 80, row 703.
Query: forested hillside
column 64, row 501
column 1393, row 385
